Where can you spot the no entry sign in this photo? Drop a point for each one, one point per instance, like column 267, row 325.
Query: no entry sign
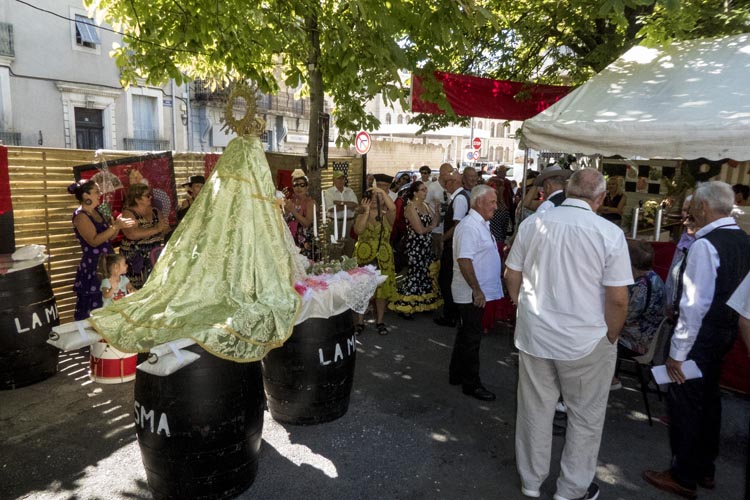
column 362, row 142
column 477, row 143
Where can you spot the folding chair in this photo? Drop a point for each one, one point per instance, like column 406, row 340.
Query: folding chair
column 646, row 360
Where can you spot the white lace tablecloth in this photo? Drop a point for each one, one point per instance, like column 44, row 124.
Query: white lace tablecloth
column 327, row 295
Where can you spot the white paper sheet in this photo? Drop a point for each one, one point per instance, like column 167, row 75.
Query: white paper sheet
column 689, row 369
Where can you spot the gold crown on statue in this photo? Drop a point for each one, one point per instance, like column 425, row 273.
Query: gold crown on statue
column 249, row 124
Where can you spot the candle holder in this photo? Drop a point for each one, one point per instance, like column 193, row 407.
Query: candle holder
column 322, row 241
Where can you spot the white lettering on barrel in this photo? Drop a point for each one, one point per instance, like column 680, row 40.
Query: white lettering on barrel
column 322, row 361
column 19, row 329
column 35, row 321
column 338, row 352
column 51, row 312
column 145, row 419
column 163, row 425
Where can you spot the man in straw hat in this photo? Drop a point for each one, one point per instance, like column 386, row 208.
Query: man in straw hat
column 552, row 181
column 192, row 187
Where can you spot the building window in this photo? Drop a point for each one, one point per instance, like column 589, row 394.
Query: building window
column 387, row 118
column 144, row 117
column 400, row 120
column 89, row 128
column 480, row 125
column 86, row 32
column 492, row 130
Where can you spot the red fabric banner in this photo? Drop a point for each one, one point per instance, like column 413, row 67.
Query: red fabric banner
column 115, row 177
column 5, row 203
column 209, row 162
column 487, row 98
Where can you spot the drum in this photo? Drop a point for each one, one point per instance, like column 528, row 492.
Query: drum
column 110, row 366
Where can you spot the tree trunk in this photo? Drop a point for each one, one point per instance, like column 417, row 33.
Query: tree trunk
column 316, row 106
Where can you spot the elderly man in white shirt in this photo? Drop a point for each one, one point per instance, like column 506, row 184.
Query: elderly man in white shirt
column 704, row 332
column 476, row 281
column 568, row 271
column 339, row 195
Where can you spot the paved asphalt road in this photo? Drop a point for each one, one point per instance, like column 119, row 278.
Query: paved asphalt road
column 407, row 434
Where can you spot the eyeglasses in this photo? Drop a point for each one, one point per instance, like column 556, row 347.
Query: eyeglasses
column 299, row 184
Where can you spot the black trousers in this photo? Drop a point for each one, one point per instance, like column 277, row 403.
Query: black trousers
column 695, row 425
column 464, row 366
column 445, row 278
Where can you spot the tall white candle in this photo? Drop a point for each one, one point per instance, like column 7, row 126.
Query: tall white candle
column 335, row 224
column 315, row 220
column 343, row 225
column 323, row 213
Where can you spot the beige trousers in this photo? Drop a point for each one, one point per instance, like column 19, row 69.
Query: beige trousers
column 584, row 386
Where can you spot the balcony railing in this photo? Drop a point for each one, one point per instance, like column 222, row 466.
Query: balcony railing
column 283, row 103
column 6, row 40
column 132, row 144
column 10, row 138
column 202, row 92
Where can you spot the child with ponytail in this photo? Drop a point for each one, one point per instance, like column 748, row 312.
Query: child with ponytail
column 115, row 285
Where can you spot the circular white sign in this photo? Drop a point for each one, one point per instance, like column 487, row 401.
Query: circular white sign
column 362, row 142
column 476, row 155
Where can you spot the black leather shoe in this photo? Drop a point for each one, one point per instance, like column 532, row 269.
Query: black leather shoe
column 444, row 322
column 480, row 393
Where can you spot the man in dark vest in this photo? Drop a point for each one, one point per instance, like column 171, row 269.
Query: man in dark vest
column 552, row 181
column 456, row 209
column 705, row 331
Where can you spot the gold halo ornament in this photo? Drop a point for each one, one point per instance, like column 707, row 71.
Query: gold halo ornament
column 249, row 124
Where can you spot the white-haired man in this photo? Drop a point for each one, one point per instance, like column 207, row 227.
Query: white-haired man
column 476, row 281
column 568, row 271
column 705, row 331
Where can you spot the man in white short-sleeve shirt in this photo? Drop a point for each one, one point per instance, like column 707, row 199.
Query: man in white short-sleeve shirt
column 568, row 271
column 476, row 281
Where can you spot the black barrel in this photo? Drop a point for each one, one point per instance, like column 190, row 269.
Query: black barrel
column 27, row 314
column 309, row 379
column 199, row 429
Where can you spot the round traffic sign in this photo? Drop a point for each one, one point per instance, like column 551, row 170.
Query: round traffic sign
column 470, row 155
column 476, row 155
column 477, row 142
column 362, row 142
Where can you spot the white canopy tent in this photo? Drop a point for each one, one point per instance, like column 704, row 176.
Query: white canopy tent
column 687, row 100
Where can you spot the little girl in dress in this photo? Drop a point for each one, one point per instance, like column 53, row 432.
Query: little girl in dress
column 115, row 285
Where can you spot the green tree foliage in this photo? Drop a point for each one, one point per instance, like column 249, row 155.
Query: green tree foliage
column 352, row 50
column 567, row 41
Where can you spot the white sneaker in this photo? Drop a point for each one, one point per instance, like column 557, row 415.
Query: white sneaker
column 530, row 493
column 561, row 407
